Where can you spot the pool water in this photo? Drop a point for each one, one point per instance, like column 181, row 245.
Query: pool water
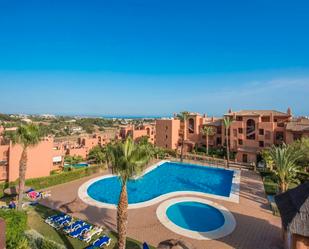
column 195, row 216
column 78, row 165
column 166, row 178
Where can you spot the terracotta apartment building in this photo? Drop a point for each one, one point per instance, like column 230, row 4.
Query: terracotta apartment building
column 169, row 131
column 48, row 155
column 138, row 131
column 250, row 132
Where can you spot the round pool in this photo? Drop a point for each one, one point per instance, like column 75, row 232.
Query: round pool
column 195, row 216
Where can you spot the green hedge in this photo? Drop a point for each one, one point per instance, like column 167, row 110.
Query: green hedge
column 16, row 224
column 48, row 181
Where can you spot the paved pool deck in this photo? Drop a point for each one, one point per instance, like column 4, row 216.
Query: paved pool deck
column 256, row 227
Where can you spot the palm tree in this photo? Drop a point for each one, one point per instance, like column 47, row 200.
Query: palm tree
column 286, row 169
column 207, row 131
column 183, row 116
column 227, row 121
column 97, row 154
column 127, row 159
column 27, row 136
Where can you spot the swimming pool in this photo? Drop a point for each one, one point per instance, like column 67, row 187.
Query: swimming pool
column 163, row 180
column 77, row 165
column 184, row 214
column 196, row 218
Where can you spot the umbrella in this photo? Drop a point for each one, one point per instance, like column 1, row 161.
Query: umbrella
column 175, row 244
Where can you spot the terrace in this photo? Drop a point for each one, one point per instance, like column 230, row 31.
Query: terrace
column 256, row 226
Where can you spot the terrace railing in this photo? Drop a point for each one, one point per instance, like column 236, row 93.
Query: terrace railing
column 218, row 162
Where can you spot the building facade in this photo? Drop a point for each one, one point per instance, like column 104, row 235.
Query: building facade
column 170, row 132
column 45, row 157
column 139, row 131
column 250, row 132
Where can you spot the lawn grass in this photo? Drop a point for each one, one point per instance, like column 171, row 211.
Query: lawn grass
column 37, row 215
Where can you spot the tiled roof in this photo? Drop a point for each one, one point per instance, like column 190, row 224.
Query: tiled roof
column 257, row 113
column 301, row 124
column 217, row 122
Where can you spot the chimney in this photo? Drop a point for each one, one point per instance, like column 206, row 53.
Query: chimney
column 289, row 111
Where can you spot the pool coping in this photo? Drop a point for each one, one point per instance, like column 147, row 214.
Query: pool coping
column 227, row 228
column 234, row 195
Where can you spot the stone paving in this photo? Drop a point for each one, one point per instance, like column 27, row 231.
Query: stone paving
column 256, row 227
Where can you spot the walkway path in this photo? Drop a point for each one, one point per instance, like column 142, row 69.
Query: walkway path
column 256, row 227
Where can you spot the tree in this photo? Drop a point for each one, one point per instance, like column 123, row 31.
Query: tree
column 303, row 146
column 207, row 131
column 27, row 136
column 183, row 116
column 267, row 159
column 227, row 121
column 127, row 159
column 285, row 161
column 97, row 154
column 73, row 159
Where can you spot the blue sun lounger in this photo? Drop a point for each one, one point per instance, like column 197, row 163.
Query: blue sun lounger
column 145, row 246
column 80, row 230
column 54, row 218
column 75, row 225
column 104, row 240
column 60, row 223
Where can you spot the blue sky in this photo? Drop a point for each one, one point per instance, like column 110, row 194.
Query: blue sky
column 153, row 57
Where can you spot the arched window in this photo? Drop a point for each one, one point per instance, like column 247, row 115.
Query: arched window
column 191, row 125
column 148, row 131
column 250, row 129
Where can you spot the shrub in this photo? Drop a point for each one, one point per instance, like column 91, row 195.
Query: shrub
column 16, row 224
column 55, row 179
column 73, row 159
column 45, row 182
column 38, row 241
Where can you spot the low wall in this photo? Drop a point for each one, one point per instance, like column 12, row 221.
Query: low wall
column 2, row 234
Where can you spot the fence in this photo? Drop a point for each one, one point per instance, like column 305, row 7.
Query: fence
column 218, row 162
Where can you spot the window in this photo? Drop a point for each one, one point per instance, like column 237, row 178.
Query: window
column 191, row 125
column 240, row 142
column 166, row 146
column 250, row 129
column 238, row 118
column 219, row 130
column 165, row 136
column 219, row 140
column 240, row 130
column 261, row 131
column 235, row 132
column 296, row 136
column 266, row 119
column 261, row 143
column 166, row 128
column 245, row 158
column 279, row 137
